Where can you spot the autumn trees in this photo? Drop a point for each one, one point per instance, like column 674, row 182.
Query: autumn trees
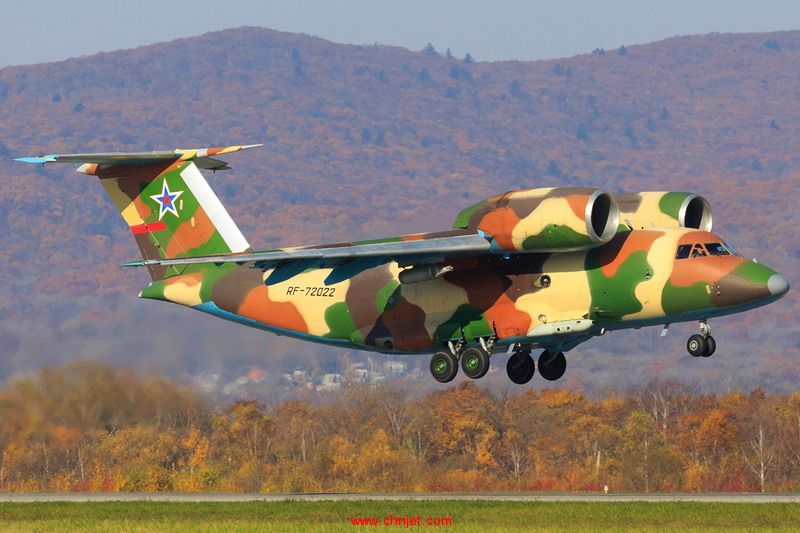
column 88, row 427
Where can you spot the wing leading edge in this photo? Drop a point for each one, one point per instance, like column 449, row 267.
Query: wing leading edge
column 347, row 259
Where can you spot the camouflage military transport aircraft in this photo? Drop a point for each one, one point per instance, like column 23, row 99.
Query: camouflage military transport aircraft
column 539, row 268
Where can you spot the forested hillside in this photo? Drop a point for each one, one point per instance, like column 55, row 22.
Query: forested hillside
column 365, row 141
column 86, row 427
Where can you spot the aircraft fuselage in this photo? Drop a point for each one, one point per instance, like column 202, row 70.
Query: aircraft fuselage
column 632, row 281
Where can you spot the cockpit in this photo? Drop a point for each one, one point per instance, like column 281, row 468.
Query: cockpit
column 691, row 251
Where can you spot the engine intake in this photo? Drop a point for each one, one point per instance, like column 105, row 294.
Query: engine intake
column 551, row 219
column 665, row 210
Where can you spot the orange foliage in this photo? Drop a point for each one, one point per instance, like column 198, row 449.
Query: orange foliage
column 377, row 439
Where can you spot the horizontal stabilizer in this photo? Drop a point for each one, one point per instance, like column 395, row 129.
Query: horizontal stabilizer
column 202, row 157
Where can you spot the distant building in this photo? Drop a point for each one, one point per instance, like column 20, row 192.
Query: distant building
column 330, row 383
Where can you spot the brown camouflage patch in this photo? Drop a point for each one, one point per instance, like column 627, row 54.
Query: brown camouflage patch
column 733, row 289
column 361, row 293
column 406, row 323
column 521, row 285
column 231, row 290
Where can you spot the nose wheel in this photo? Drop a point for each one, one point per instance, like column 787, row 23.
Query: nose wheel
column 702, row 344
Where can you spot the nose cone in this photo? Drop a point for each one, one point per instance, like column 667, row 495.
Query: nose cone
column 777, row 285
column 748, row 283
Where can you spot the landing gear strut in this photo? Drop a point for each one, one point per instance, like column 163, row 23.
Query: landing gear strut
column 702, row 344
column 520, row 367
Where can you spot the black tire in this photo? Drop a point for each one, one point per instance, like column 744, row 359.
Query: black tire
column 552, row 365
column 697, row 345
column 444, row 367
column 520, row 367
column 711, row 346
column 474, row 363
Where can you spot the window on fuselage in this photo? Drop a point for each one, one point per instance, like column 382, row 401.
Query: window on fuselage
column 683, row 251
column 716, row 248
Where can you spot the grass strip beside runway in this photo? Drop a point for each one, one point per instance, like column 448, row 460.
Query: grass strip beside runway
column 480, row 516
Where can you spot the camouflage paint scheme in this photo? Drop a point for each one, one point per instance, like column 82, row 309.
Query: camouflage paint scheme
column 599, row 280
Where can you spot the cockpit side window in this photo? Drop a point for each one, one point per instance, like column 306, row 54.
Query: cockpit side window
column 683, row 251
column 730, row 248
column 698, row 251
column 703, row 250
column 716, row 248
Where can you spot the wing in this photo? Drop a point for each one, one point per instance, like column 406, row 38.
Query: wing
column 346, row 259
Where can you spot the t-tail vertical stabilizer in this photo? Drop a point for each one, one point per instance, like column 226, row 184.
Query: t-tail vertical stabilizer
column 166, row 201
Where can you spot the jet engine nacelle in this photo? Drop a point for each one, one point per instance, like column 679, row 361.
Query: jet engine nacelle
column 646, row 210
column 550, row 219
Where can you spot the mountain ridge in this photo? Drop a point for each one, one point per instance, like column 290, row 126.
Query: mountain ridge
column 368, row 141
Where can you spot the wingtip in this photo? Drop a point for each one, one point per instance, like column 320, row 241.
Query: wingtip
column 41, row 159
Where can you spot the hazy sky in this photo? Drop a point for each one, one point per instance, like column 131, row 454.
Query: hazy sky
column 33, row 31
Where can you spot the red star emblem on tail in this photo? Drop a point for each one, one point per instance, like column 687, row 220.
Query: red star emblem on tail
column 166, row 200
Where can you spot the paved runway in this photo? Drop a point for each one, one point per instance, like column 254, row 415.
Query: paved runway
column 307, row 497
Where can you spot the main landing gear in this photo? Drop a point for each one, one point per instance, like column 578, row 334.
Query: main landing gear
column 520, row 367
column 444, row 367
column 475, row 362
column 552, row 365
column 702, row 344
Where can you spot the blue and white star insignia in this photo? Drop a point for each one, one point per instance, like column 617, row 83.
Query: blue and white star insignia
column 166, row 200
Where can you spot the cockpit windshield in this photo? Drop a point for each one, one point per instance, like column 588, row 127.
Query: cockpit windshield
column 703, row 250
column 730, row 248
column 717, row 248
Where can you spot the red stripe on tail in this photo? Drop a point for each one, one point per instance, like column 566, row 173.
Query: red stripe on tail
column 147, row 228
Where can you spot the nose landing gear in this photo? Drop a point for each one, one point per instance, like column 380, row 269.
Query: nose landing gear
column 702, row 344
